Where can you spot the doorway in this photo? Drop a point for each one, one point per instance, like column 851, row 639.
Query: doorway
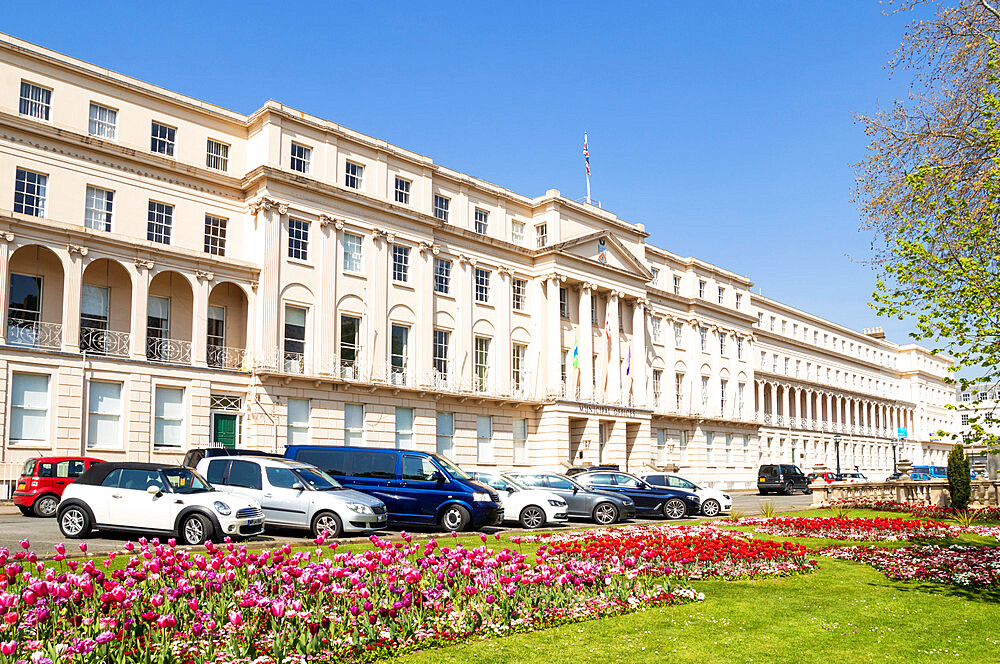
column 224, row 430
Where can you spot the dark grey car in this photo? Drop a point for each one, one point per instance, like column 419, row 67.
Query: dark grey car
column 599, row 506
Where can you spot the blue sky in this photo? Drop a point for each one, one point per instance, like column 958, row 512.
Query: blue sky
column 725, row 127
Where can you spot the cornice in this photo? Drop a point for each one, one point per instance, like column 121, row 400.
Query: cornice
column 67, row 143
column 802, row 383
column 803, row 345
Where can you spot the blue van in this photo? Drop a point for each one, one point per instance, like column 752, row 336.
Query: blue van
column 417, row 488
column 937, row 472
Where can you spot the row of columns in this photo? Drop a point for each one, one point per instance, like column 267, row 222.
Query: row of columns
column 839, row 409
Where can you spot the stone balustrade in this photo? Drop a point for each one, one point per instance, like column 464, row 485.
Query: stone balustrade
column 933, row 492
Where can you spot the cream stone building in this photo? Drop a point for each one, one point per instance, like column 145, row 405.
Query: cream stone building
column 178, row 275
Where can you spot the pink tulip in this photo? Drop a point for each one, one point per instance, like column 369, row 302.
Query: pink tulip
column 25, row 544
column 83, row 547
column 235, row 618
column 61, row 549
column 8, row 647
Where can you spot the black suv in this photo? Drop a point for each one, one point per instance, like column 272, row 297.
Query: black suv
column 786, row 478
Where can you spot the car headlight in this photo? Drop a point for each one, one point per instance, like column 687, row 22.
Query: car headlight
column 628, row 501
column 222, row 508
column 481, row 498
column 726, row 496
column 360, row 508
column 557, row 503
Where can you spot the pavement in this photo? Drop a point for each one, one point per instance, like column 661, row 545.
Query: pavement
column 44, row 533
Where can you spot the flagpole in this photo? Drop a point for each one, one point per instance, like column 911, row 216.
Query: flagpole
column 586, row 154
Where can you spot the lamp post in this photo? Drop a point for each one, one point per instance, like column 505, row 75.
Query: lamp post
column 895, row 444
column 836, row 446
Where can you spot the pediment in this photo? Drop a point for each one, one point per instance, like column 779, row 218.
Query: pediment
column 603, row 248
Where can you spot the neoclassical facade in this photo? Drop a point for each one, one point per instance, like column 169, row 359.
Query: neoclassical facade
column 177, row 274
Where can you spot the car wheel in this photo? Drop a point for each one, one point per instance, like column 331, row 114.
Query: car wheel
column 532, row 517
column 787, row 490
column 605, row 514
column 711, row 507
column 807, row 490
column 674, row 509
column 455, row 518
column 329, row 523
column 26, row 511
column 46, row 506
column 74, row 522
column 195, row 529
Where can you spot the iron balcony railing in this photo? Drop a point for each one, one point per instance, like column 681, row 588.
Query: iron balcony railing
column 173, row 351
column 225, row 357
column 107, row 343
column 34, row 334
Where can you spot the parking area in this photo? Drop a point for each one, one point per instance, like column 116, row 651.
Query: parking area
column 44, row 533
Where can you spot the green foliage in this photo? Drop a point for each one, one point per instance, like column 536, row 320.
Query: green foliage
column 944, row 266
column 965, row 517
column 768, row 509
column 959, row 483
column 842, row 511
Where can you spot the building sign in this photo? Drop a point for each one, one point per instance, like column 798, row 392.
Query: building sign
column 602, row 251
column 901, row 433
column 613, row 411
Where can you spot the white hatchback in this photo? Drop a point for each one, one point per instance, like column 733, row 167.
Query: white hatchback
column 713, row 501
column 532, row 508
column 154, row 499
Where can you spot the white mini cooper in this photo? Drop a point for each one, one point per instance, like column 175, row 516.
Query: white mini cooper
column 155, row 499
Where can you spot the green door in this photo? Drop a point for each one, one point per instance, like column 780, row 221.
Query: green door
column 224, row 430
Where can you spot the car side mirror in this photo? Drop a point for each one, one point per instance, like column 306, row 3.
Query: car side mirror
column 153, row 490
column 298, row 486
column 576, row 490
column 643, row 485
column 437, row 476
column 510, row 490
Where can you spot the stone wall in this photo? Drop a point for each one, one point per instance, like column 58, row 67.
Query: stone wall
column 934, row 492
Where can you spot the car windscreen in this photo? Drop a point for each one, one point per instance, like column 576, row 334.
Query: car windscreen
column 497, row 482
column 452, row 469
column 185, row 480
column 317, row 480
column 29, row 468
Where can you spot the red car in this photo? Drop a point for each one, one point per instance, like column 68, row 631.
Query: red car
column 43, row 480
column 827, row 477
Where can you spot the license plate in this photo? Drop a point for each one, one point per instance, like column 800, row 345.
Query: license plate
column 760, row 479
column 255, row 522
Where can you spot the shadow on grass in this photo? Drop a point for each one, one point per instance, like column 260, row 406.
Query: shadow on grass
column 990, row 595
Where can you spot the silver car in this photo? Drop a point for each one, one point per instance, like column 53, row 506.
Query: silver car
column 601, row 507
column 293, row 494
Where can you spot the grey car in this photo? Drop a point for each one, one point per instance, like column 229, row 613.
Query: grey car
column 599, row 506
column 293, row 494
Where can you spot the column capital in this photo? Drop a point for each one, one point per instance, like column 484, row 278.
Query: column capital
column 380, row 234
column 471, row 260
column 432, row 247
column 77, row 249
column 326, row 219
column 503, row 269
column 6, row 236
column 265, row 203
column 556, row 277
column 204, row 275
column 144, row 264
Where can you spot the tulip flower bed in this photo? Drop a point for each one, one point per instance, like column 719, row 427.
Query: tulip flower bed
column 862, row 530
column 958, row 565
column 232, row 605
column 923, row 511
column 688, row 552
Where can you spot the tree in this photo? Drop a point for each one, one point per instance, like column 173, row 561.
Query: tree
column 930, row 190
column 959, row 482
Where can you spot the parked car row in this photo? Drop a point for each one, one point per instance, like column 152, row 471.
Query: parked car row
column 335, row 490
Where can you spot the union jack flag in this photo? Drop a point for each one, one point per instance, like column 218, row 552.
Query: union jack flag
column 586, row 153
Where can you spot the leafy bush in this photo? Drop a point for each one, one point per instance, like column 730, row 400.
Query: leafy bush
column 959, row 482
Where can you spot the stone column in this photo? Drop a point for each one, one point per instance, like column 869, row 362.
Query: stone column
column 140, row 306
column 378, row 336
column 639, row 353
column 614, row 355
column 6, row 238
column 269, row 214
column 553, row 321
column 199, row 317
column 424, row 334
column 72, row 293
column 462, row 341
column 585, row 336
column 329, row 271
column 506, row 344
column 784, row 403
column 760, row 400
column 808, row 421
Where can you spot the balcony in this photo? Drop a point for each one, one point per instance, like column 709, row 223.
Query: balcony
column 106, row 343
column 172, row 351
column 224, row 357
column 34, row 334
column 398, row 375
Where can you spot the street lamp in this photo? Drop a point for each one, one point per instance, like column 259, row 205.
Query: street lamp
column 836, row 446
column 895, row 444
